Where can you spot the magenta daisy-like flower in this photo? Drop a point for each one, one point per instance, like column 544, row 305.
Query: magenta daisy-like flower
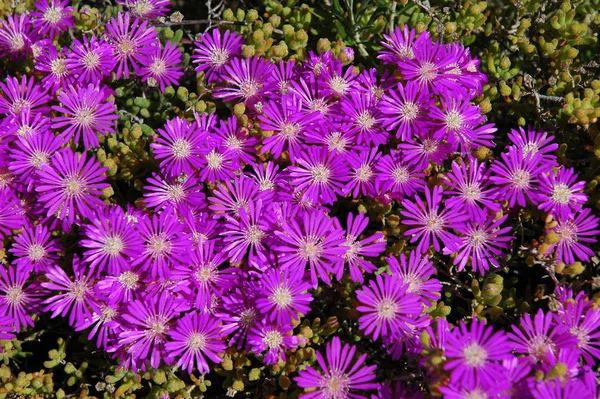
column 131, row 40
column 532, row 142
column 147, row 9
column 283, row 296
column 400, row 43
column 34, row 248
column 31, row 153
column 55, row 65
column 235, row 139
column 179, row 147
column 72, row 186
column 455, row 121
column 53, row 17
column 111, row 242
column 77, row 297
column 220, row 164
column 16, row 36
column 25, row 123
column 195, row 338
column 404, row 108
column 341, row 375
column 18, row 300
column 363, row 116
column 23, row 96
column 468, row 181
column 91, row 60
column 540, row 337
column 174, row 194
column 560, row 194
column 473, row 353
column 162, row 66
column 86, row 112
column 239, row 314
column 247, row 235
column 11, row 215
column 427, row 64
column 164, row 243
column 387, row 307
column 583, row 324
column 272, row 340
column 288, row 123
column 319, row 175
column 362, row 172
column 417, row 272
column 517, row 177
column 358, row 248
column 232, row 196
column 214, row 50
column 397, row 178
column 423, row 150
column 483, row 241
column 149, row 321
column 247, row 78
column 315, row 243
column 573, row 233
column 431, row 224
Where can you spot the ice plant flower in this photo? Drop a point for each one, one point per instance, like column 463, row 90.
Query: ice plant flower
column 387, row 307
column 71, row 186
column 416, row 272
column 560, row 194
column 23, row 96
column 11, row 216
column 247, row 78
column 284, row 296
column 474, row 352
column 162, row 67
column 34, row 248
column 532, row 142
column 341, row 375
column 130, row 40
column 196, row 338
column 214, row 50
column 583, row 323
column 403, row 108
column 53, row 17
column 30, row 153
column 19, row 300
column 399, row 44
column 272, row 340
column 573, row 235
column 90, row 60
column 431, row 224
column 396, row 177
column 16, row 36
column 86, row 112
column 147, row 9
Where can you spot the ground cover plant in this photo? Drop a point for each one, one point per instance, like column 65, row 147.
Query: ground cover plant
column 318, row 199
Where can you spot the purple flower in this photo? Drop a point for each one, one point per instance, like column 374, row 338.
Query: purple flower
column 195, row 338
column 77, row 299
column 339, row 83
column 363, row 116
column 423, row 149
column 283, row 296
column 52, row 17
column 18, row 300
column 16, row 36
column 220, row 164
column 272, row 339
column 341, row 376
column 455, row 121
column 473, row 354
column 468, row 182
column 404, row 107
column 24, row 96
column 517, row 177
column 319, row 175
column 483, row 241
column 71, row 186
column 247, row 79
column 34, row 248
column 11, row 216
column 235, row 140
column 25, row 123
column 556, row 389
column 533, row 142
column 162, row 66
column 417, row 274
column 147, row 323
column 362, row 174
column 400, row 44
column 247, row 235
column 232, row 196
column 283, row 75
column 358, row 248
column 111, row 242
column 460, row 390
column 583, row 228
column 104, row 326
column 540, row 337
column 147, row 9
column 583, row 324
column 239, row 314
column 387, row 307
column 398, row 178
column 213, row 52
column 430, row 225
column 174, row 194
column 315, row 242
column 179, row 147
column 31, row 153
column 91, row 60
column 55, row 65
column 131, row 40
column 427, row 63
column 288, row 124
column 86, row 113
column 560, row 194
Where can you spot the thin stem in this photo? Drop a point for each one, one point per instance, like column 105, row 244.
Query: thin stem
column 200, row 22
